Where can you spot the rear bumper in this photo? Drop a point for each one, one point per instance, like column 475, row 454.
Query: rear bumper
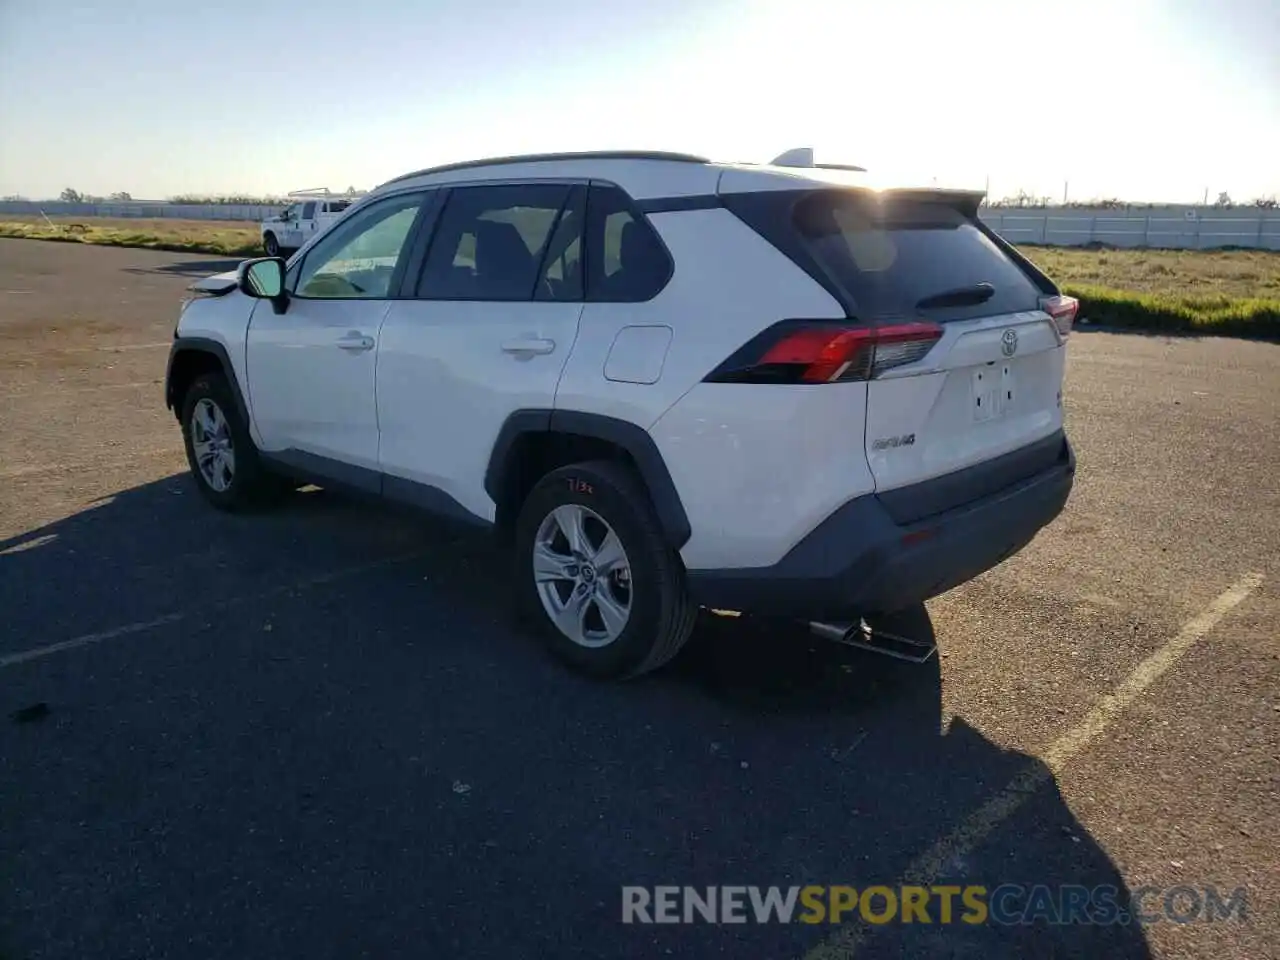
column 861, row 561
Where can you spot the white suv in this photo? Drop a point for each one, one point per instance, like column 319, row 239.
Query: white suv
column 668, row 382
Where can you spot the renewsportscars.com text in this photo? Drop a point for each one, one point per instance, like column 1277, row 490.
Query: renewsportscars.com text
column 972, row 904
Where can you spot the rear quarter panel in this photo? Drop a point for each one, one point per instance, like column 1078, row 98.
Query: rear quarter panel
column 728, row 284
column 758, row 466
column 755, row 466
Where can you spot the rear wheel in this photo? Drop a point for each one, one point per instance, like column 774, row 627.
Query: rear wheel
column 220, row 452
column 271, row 244
column 595, row 576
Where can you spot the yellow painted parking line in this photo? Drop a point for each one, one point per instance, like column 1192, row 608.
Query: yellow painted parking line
column 119, row 348
column 926, row 868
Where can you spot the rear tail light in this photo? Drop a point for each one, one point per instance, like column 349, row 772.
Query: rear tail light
column 1063, row 311
column 825, row 351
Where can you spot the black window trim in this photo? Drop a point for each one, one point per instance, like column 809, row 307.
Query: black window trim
column 423, row 219
column 635, row 209
column 410, row 290
column 420, row 244
column 765, row 209
column 577, row 198
column 677, row 204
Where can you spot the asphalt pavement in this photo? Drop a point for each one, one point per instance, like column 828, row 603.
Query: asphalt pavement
column 315, row 731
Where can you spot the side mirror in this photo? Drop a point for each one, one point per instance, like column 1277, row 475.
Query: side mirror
column 263, row 279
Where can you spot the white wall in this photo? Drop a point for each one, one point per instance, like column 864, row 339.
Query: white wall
column 158, row 209
column 1187, row 228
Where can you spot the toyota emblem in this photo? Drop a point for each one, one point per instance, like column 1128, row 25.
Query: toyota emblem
column 1009, row 342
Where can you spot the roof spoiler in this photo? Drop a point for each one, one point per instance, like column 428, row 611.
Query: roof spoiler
column 966, row 201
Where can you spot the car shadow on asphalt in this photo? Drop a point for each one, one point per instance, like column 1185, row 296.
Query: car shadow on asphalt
column 189, row 268
column 761, row 756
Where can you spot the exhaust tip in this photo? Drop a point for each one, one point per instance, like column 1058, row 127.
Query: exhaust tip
column 833, row 631
column 873, row 638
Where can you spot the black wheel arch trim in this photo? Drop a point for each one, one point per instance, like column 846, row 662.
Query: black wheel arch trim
column 183, row 345
column 635, row 440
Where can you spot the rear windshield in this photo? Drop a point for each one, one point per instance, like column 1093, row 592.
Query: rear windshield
column 893, row 255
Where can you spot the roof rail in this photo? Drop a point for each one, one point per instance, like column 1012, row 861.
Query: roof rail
column 324, row 193
column 547, row 157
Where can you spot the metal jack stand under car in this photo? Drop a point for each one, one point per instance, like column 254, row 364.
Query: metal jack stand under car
column 905, row 635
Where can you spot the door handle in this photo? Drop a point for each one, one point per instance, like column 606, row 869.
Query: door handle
column 355, row 342
column 528, row 346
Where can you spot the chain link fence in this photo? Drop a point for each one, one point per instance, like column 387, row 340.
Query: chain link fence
column 140, row 209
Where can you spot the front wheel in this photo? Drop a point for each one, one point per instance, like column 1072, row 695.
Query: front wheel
column 220, row 452
column 271, row 244
column 595, row 575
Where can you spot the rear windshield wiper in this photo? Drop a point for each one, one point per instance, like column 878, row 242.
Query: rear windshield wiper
column 969, row 296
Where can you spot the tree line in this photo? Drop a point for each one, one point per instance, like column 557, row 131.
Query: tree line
column 1024, row 199
column 71, row 195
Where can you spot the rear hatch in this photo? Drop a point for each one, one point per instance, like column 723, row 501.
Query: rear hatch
column 992, row 383
column 958, row 338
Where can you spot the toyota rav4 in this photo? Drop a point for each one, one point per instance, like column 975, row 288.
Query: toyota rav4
column 665, row 382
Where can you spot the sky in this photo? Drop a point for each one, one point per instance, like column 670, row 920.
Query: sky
column 1132, row 99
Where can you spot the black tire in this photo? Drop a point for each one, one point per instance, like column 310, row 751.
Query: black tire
column 250, row 484
column 271, row 244
column 661, row 614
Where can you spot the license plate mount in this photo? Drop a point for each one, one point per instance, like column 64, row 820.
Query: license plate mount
column 994, row 391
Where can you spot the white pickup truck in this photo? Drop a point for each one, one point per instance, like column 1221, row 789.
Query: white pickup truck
column 311, row 212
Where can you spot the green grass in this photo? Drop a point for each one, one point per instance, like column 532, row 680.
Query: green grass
column 184, row 236
column 1180, row 273
column 1214, row 316
column 1212, row 292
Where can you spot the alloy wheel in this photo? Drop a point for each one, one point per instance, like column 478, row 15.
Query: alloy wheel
column 211, row 442
column 583, row 575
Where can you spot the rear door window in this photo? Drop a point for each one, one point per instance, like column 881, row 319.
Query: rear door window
column 901, row 257
column 491, row 241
